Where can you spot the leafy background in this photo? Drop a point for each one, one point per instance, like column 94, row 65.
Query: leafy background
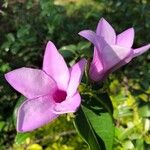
column 25, row 28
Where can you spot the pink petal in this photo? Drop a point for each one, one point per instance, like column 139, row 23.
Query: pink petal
column 31, row 82
column 98, row 42
column 112, row 55
column 55, row 66
column 35, row 113
column 102, row 75
column 76, row 72
column 105, row 30
column 126, row 38
column 93, row 38
column 70, row 105
column 96, row 66
column 89, row 35
column 122, row 62
column 97, row 63
column 141, row 50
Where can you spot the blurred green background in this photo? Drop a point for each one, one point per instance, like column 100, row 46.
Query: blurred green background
column 25, row 28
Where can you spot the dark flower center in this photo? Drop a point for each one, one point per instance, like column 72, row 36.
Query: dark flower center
column 59, row 96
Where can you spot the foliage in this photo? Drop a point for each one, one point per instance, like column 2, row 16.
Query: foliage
column 25, row 28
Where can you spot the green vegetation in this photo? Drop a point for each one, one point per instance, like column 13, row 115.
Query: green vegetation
column 25, row 28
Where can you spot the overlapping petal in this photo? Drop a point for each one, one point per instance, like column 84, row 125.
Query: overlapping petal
column 126, row 38
column 107, row 55
column 96, row 66
column 113, row 54
column 97, row 62
column 98, row 41
column 55, row 66
column 76, row 72
column 110, row 52
column 35, row 113
column 105, row 30
column 31, row 82
column 70, row 105
column 46, row 90
column 99, row 44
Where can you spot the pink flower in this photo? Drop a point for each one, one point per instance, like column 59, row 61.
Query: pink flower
column 50, row 92
column 110, row 51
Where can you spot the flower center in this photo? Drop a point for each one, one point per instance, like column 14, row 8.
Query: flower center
column 59, row 96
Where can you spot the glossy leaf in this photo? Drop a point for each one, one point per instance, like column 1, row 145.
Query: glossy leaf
column 85, row 129
column 103, row 125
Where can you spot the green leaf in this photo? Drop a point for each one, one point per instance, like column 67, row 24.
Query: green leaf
column 66, row 53
column 2, row 124
column 68, row 50
column 23, row 31
column 83, row 45
column 84, row 49
column 21, row 137
column 144, row 111
column 103, row 125
column 70, row 47
column 10, row 37
column 85, row 130
column 128, row 145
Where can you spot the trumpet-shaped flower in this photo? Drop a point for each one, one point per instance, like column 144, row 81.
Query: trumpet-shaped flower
column 110, row 51
column 50, row 92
